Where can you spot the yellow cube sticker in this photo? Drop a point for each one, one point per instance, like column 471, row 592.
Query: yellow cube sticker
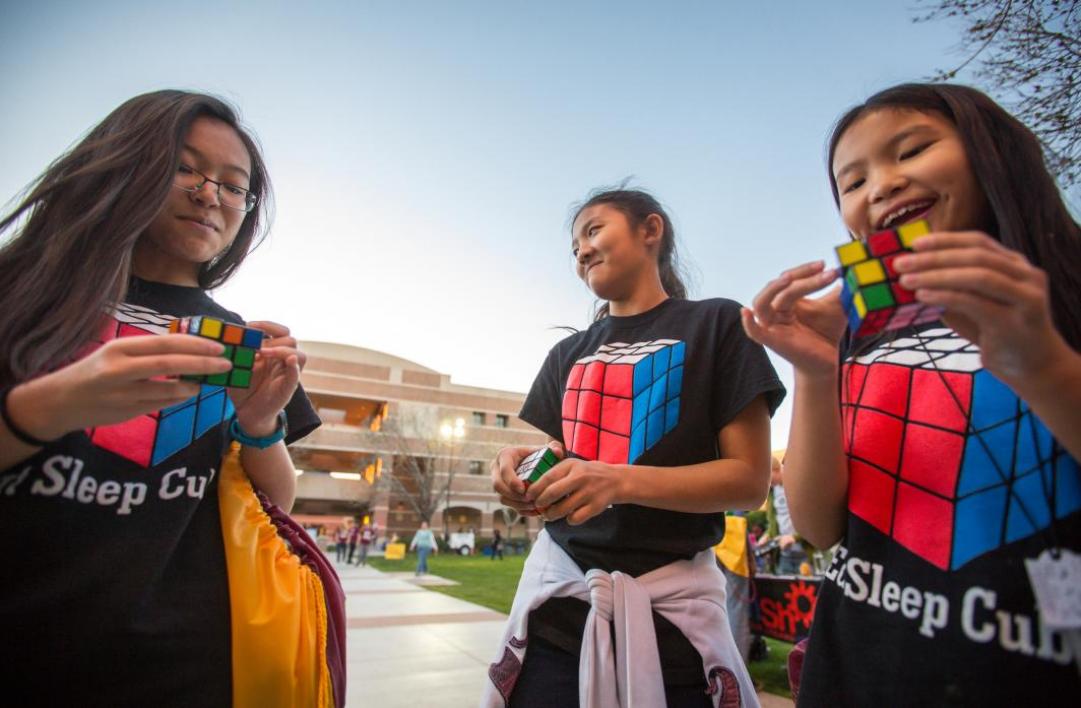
column 869, row 272
column 210, row 328
column 909, row 233
column 852, row 253
column 861, row 306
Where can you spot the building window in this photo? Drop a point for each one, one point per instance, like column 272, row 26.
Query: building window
column 478, row 418
column 501, row 420
column 476, row 467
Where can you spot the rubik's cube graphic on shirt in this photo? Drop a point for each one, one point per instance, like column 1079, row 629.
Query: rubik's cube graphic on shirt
column 621, row 400
column 872, row 297
column 150, row 439
column 943, row 457
column 536, row 464
column 240, row 343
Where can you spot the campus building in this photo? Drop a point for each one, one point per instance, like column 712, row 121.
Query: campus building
column 384, row 415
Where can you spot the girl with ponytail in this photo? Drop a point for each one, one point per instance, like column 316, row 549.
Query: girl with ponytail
column 661, row 410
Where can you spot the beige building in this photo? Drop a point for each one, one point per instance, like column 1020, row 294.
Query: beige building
column 385, row 415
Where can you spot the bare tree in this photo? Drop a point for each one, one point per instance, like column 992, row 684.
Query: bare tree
column 511, row 516
column 1027, row 54
column 424, row 465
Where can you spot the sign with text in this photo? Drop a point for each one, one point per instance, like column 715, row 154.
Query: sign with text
column 784, row 606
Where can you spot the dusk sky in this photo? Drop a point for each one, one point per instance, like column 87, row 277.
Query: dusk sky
column 425, row 155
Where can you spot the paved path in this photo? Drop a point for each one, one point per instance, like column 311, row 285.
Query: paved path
column 410, row 647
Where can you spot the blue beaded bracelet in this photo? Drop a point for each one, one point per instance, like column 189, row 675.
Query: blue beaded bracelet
column 261, row 443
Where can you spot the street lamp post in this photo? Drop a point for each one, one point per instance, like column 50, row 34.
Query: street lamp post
column 450, row 434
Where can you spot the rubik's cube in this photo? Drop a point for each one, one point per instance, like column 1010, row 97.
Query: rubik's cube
column 533, row 467
column 620, row 401
column 240, row 343
column 872, row 297
column 943, row 457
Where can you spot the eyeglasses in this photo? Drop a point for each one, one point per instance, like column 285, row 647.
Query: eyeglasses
column 192, row 180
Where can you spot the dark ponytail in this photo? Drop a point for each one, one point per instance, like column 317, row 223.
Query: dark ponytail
column 637, row 206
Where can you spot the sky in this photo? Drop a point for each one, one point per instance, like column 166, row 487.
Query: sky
column 425, row 156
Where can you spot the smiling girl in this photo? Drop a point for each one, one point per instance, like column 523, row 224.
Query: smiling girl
column 108, row 503
column 663, row 408
column 947, row 456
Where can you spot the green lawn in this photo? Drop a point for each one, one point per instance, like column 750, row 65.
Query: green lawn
column 772, row 672
column 493, row 583
column 483, row 581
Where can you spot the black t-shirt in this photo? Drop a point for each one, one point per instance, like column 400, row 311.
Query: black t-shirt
column 116, row 591
column 650, row 389
column 953, row 483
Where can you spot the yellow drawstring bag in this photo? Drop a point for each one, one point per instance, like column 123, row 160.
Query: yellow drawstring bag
column 286, row 603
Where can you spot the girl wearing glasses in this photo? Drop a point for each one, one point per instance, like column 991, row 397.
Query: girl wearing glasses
column 130, row 605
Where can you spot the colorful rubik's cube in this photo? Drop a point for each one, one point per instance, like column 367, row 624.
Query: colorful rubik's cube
column 240, row 343
column 943, row 457
column 533, row 467
column 872, row 297
column 623, row 399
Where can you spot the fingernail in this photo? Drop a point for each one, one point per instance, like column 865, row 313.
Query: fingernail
column 902, row 262
column 908, row 280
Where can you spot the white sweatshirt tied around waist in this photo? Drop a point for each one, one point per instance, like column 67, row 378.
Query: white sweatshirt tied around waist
column 627, row 674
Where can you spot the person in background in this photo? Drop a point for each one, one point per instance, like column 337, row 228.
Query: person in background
column 340, row 535
column 424, row 543
column 351, row 535
column 367, row 536
column 792, row 552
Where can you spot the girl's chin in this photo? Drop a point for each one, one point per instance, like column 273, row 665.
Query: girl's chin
column 608, row 295
column 601, row 289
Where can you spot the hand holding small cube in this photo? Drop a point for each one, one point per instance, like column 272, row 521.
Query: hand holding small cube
column 506, row 481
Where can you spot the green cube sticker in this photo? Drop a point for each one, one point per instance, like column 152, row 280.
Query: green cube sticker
column 244, row 357
column 218, row 379
column 878, row 296
column 853, row 281
column 536, row 464
column 240, row 378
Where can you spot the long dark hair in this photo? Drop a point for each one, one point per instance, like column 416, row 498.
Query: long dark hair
column 637, row 206
column 75, row 228
column 1028, row 212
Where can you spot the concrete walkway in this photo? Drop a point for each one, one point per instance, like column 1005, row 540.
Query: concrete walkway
column 408, row 646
